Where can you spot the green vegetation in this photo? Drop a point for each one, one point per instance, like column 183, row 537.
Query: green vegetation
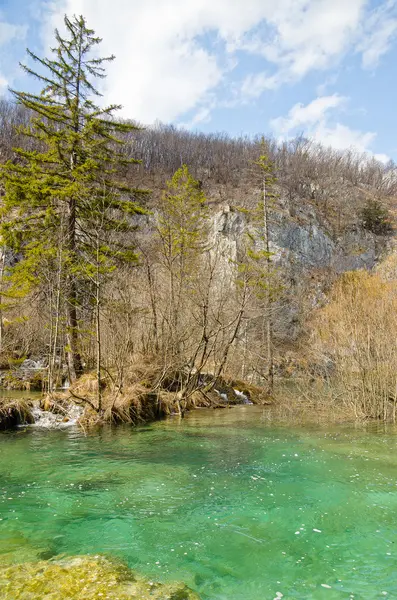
column 376, row 218
column 65, row 200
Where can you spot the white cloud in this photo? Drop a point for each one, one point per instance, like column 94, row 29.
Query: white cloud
column 163, row 67
column 203, row 115
column 171, row 55
column 383, row 158
column 254, row 85
column 305, row 35
column 309, row 115
column 342, row 137
column 317, row 121
column 161, row 70
column 3, row 84
column 329, row 82
column 379, row 30
column 10, row 32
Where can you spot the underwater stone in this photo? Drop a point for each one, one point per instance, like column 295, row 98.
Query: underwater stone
column 84, row 578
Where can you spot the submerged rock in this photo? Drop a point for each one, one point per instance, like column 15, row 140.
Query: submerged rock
column 84, row 578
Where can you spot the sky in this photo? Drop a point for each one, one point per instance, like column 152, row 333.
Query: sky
column 322, row 68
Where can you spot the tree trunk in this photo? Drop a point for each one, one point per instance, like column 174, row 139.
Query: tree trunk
column 98, row 328
column 2, row 266
column 152, row 293
column 74, row 358
column 54, row 341
column 269, row 317
column 73, row 354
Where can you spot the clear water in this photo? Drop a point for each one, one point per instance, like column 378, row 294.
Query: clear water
column 19, row 394
column 233, row 505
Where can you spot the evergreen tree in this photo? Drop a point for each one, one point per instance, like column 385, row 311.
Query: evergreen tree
column 56, row 193
column 182, row 231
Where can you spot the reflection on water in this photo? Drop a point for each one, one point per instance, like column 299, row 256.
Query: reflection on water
column 18, row 394
column 229, row 502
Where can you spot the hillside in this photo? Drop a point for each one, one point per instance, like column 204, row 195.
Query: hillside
column 328, row 212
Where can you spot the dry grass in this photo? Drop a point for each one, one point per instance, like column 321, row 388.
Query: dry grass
column 56, row 402
column 15, row 412
column 136, row 398
column 148, row 391
column 355, row 343
column 308, row 401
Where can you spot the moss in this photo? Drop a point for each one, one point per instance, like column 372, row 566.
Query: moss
column 83, row 578
column 15, row 380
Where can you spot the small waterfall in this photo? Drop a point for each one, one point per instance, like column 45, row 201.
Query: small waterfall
column 243, row 397
column 66, row 385
column 239, row 396
column 48, row 420
column 222, row 395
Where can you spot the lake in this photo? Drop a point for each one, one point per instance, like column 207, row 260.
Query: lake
column 233, row 504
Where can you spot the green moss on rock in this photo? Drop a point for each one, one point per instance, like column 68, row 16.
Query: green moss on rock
column 83, row 578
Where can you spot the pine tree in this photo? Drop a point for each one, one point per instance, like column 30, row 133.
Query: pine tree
column 55, row 193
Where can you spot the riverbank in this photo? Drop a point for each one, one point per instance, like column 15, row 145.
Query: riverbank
column 145, row 394
column 293, row 401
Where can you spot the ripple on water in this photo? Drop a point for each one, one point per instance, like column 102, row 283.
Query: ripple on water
column 234, row 506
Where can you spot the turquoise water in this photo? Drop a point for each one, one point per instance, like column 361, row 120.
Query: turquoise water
column 233, row 505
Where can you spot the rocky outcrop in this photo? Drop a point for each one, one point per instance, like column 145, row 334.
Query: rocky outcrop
column 307, row 252
column 304, row 243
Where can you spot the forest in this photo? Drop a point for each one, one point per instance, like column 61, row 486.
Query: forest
column 148, row 270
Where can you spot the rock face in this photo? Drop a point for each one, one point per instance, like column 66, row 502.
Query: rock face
column 307, row 253
column 305, row 244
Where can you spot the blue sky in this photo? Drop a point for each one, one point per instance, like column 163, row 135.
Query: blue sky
column 324, row 68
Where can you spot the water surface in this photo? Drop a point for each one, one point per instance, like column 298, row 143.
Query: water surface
column 235, row 506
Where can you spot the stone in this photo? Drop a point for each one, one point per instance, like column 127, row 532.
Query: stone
column 84, row 578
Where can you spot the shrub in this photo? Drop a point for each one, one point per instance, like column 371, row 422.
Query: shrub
column 356, row 333
column 376, row 218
